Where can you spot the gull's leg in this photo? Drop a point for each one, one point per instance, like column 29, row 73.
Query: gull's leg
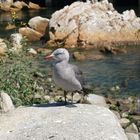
column 72, row 97
column 82, row 96
column 65, row 96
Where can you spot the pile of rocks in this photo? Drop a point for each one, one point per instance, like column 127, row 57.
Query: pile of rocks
column 37, row 28
column 11, row 6
column 128, row 112
column 16, row 42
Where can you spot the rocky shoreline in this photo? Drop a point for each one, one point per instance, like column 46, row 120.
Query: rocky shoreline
column 129, row 120
column 109, row 32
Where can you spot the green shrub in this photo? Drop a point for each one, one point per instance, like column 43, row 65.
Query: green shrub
column 18, row 78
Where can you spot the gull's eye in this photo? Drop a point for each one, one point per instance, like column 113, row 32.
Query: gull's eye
column 58, row 54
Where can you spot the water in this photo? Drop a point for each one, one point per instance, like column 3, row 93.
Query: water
column 24, row 16
column 121, row 70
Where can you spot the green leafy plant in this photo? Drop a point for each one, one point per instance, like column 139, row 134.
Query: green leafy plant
column 18, row 78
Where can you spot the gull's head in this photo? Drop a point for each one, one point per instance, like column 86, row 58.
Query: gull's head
column 60, row 54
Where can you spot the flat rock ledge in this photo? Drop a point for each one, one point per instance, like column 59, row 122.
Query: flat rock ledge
column 71, row 122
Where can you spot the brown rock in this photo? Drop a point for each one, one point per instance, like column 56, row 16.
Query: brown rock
column 95, row 57
column 3, row 47
column 5, row 7
column 39, row 24
column 10, row 26
column 113, row 50
column 14, row 9
column 51, row 43
column 31, row 34
column 87, row 56
column 79, row 56
column 44, row 51
column 19, row 4
column 33, row 6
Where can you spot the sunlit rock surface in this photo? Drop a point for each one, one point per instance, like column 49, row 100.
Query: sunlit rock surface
column 97, row 24
column 31, row 34
column 71, row 122
column 6, row 103
column 39, row 24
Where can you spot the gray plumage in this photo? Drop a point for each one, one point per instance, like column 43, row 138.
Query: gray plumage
column 67, row 76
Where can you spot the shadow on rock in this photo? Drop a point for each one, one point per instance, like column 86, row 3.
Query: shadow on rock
column 57, row 104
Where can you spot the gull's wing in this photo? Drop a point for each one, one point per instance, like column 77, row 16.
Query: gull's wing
column 78, row 74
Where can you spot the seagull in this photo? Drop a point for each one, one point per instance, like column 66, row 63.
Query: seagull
column 65, row 75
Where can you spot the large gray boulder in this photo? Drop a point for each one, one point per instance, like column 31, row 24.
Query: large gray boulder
column 97, row 24
column 71, row 122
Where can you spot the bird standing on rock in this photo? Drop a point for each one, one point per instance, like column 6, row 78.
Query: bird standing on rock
column 65, row 75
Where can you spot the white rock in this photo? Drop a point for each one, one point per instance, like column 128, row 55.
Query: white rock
column 132, row 136
column 132, row 128
column 124, row 122
column 16, row 40
column 82, row 122
column 47, row 98
column 129, row 15
column 97, row 100
column 124, row 114
column 32, row 51
column 10, row 1
column 117, row 114
column 6, row 103
column 76, row 97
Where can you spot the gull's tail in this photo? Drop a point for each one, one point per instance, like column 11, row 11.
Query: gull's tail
column 86, row 91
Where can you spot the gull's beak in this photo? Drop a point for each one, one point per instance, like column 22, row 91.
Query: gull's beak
column 48, row 57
